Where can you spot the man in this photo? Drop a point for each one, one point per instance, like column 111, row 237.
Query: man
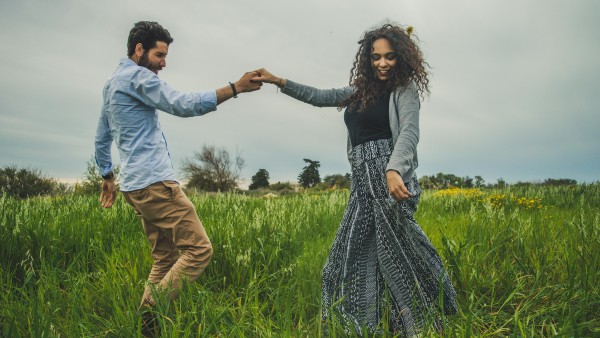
column 180, row 247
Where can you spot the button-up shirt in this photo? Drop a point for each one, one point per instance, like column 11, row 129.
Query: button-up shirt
column 129, row 116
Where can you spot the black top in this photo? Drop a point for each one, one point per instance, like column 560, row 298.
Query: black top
column 371, row 124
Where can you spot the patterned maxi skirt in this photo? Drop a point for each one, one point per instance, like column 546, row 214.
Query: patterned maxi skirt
column 382, row 267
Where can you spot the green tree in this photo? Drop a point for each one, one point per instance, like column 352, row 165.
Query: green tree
column 479, row 182
column 501, row 183
column 260, row 179
column 24, row 182
column 309, row 176
column 213, row 169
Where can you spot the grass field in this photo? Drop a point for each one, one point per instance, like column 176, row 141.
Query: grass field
column 525, row 262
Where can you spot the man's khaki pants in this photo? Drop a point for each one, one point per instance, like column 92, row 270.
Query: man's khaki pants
column 180, row 247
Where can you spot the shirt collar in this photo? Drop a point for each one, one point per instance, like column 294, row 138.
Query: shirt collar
column 127, row 61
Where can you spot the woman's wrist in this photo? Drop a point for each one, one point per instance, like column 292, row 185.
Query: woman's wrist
column 280, row 83
column 392, row 172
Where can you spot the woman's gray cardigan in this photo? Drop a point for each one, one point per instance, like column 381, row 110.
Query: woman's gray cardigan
column 404, row 120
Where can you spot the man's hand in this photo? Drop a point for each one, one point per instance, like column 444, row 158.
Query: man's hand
column 109, row 193
column 245, row 84
column 396, row 185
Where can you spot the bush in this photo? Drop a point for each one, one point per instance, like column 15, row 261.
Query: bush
column 336, row 181
column 559, row 182
column 281, row 188
column 25, row 182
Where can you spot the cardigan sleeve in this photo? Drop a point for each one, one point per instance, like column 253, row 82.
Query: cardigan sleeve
column 314, row 96
column 404, row 156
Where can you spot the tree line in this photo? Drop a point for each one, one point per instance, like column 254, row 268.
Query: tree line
column 214, row 169
column 445, row 181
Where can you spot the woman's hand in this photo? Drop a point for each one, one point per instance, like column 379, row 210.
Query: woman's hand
column 265, row 76
column 396, row 185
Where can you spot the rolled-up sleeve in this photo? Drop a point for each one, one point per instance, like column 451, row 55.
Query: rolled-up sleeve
column 103, row 143
column 154, row 92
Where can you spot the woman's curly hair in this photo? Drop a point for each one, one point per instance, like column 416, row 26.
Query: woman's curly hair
column 410, row 66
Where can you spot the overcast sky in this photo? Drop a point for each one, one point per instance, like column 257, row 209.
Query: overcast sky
column 515, row 87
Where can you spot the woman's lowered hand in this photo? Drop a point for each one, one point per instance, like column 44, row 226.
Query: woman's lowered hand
column 396, row 185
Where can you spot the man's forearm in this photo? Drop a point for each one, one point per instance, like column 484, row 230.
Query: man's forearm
column 225, row 93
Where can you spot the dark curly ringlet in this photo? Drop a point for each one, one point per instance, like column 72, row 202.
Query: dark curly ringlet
column 410, row 66
column 147, row 33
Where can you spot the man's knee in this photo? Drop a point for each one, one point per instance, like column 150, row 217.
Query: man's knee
column 207, row 252
column 201, row 255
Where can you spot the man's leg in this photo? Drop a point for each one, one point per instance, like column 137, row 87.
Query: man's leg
column 190, row 238
column 164, row 255
column 170, row 222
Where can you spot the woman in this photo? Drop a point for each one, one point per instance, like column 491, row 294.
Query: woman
column 380, row 260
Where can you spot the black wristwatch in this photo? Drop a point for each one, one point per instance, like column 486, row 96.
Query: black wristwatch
column 109, row 176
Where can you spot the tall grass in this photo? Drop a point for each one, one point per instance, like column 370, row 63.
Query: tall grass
column 71, row 269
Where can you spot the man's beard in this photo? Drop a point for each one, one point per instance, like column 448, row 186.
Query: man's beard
column 144, row 62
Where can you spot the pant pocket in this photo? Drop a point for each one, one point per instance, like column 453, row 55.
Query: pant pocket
column 173, row 189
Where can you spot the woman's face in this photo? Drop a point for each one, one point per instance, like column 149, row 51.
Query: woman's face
column 383, row 58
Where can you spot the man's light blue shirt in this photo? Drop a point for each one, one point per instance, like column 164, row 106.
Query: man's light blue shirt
column 129, row 116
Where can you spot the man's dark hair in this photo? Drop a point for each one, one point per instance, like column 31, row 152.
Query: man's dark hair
column 147, row 33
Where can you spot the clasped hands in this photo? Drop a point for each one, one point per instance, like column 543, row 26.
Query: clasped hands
column 253, row 80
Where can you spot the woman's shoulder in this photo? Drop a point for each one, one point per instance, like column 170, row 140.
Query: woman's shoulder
column 410, row 86
column 409, row 90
